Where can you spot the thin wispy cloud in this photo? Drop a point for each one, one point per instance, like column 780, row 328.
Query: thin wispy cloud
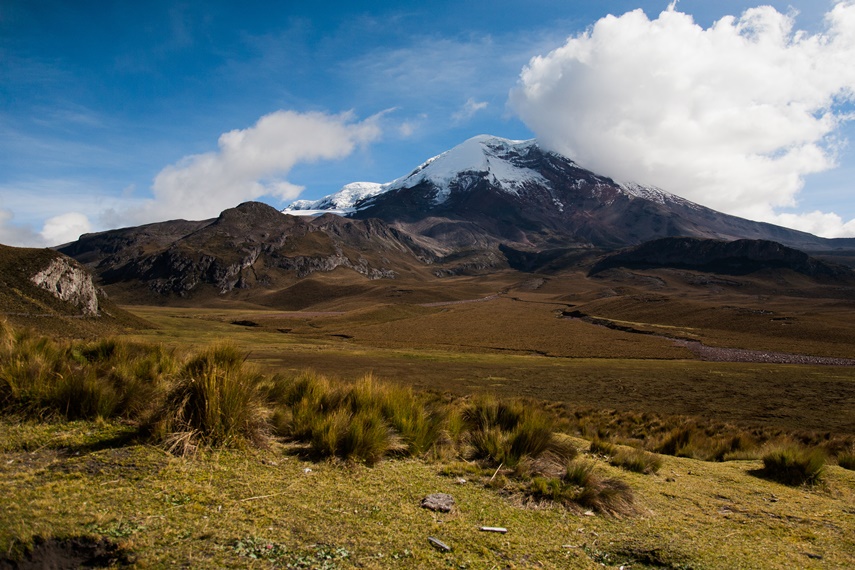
column 469, row 109
column 733, row 116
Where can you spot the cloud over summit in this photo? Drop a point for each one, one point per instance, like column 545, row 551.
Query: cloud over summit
column 733, row 116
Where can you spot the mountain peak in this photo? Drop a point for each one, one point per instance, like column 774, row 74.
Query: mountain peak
column 499, row 160
column 489, row 190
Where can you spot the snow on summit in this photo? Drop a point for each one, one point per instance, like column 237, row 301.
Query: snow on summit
column 479, row 156
column 483, row 154
column 506, row 164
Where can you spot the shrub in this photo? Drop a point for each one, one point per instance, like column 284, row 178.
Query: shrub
column 794, row 465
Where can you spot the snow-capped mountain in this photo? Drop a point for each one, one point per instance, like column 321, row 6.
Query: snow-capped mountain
column 489, row 191
column 481, row 156
column 500, row 161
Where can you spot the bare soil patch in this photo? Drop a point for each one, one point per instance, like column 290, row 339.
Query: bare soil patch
column 69, row 553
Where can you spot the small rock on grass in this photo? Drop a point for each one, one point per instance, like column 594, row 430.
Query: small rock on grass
column 442, row 502
column 438, row 544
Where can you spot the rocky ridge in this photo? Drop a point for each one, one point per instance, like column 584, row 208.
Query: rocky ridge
column 738, row 257
column 251, row 244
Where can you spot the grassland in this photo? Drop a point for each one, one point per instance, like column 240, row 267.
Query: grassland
column 273, row 507
column 74, row 479
column 516, row 348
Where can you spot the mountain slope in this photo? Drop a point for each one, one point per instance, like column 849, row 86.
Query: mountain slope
column 490, row 191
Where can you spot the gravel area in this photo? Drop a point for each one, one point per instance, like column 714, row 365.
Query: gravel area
column 716, row 354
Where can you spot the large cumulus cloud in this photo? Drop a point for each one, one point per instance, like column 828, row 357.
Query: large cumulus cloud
column 733, row 116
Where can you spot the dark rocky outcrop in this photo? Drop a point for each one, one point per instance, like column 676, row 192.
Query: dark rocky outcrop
column 739, row 257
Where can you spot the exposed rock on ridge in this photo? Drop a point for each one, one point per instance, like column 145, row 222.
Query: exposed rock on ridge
column 67, row 280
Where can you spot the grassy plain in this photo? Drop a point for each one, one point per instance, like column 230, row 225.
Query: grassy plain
column 518, row 344
column 510, row 337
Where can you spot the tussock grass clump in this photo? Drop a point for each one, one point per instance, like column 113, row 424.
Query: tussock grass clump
column 507, row 432
column 43, row 378
column 581, row 486
column 216, row 401
column 794, row 465
column 680, row 436
column 846, row 459
column 637, row 460
column 362, row 422
column 631, row 459
column 603, row 447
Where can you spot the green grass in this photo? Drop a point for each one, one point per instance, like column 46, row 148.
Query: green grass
column 226, row 506
column 218, row 509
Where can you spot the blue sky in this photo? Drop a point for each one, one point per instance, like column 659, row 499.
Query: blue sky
column 108, row 108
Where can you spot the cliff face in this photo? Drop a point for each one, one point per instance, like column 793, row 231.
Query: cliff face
column 68, row 281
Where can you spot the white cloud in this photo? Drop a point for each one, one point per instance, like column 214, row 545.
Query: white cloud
column 469, row 109
column 251, row 163
column 14, row 234
column 823, row 224
column 65, row 228
column 733, row 116
column 55, row 231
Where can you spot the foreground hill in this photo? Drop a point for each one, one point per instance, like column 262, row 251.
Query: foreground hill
column 50, row 292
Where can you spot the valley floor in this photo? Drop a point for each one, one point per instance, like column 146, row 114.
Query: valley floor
column 273, row 508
